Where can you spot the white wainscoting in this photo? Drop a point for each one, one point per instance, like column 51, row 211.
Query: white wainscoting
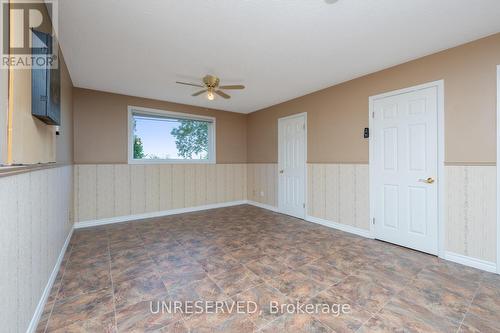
column 470, row 214
column 339, row 193
column 263, row 184
column 338, row 197
column 104, row 192
column 35, row 224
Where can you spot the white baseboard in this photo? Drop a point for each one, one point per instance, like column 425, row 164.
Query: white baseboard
column 264, row 206
column 46, row 292
column 471, row 262
column 339, row 226
column 119, row 219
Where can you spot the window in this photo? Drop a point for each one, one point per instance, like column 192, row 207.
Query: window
column 157, row 136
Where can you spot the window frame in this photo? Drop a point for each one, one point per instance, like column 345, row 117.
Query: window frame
column 157, row 112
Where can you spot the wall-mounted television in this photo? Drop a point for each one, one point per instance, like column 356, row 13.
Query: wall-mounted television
column 45, row 82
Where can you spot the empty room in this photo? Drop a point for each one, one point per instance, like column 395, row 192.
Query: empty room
column 250, row 166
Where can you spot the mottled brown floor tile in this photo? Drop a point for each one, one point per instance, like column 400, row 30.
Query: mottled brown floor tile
column 427, row 278
column 177, row 327
column 491, row 280
column 439, row 301
column 125, row 244
column 390, row 279
column 91, row 310
column 146, row 317
column 322, row 272
column 367, row 293
column 267, row 268
column 340, row 314
column 208, row 290
column 398, row 316
column 205, row 251
column 246, row 254
column 85, row 277
column 462, row 274
column 219, row 264
column 346, row 262
column 295, row 323
column 294, row 258
column 297, row 286
column 143, row 288
column 131, row 263
column 474, row 324
column 239, row 252
column 103, row 324
column 179, row 279
column 219, row 322
column 264, row 297
column 237, row 280
column 486, row 306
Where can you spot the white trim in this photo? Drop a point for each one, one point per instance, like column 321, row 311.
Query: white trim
column 471, row 262
column 342, row 227
column 263, row 206
column 126, row 218
column 211, row 137
column 441, row 156
column 302, row 114
column 48, row 287
column 498, row 169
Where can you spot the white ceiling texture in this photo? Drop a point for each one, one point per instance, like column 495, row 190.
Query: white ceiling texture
column 279, row 49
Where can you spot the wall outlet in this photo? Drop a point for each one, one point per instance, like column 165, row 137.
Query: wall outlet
column 261, row 193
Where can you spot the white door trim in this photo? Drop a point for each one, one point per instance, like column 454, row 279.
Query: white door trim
column 498, row 169
column 302, row 114
column 441, row 174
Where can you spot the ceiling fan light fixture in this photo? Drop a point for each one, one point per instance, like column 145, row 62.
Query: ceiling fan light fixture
column 210, row 95
column 211, row 85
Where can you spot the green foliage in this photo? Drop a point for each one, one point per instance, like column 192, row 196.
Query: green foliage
column 138, row 148
column 191, row 139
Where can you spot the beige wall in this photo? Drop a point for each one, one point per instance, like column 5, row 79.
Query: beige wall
column 32, row 140
column 64, row 142
column 100, row 123
column 4, row 106
column 337, row 115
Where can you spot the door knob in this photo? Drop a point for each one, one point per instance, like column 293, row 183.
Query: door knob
column 281, row 171
column 427, row 181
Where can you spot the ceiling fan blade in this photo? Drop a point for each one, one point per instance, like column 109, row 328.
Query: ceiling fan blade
column 237, row 86
column 199, row 92
column 222, row 94
column 190, row 84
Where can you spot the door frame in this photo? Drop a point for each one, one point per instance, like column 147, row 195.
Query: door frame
column 440, row 168
column 498, row 169
column 280, row 205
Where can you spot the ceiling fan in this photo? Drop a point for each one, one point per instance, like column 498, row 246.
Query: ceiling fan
column 211, row 86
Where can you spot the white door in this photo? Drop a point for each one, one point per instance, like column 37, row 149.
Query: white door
column 292, row 165
column 405, row 168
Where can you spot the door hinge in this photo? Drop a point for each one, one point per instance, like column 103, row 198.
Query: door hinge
column 304, row 127
column 304, row 205
column 373, row 221
column 373, row 114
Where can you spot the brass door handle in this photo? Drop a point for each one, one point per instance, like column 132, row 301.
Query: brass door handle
column 427, row 181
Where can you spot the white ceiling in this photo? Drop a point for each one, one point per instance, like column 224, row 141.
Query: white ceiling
column 279, row 49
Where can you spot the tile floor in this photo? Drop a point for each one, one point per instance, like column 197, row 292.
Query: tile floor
column 111, row 274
